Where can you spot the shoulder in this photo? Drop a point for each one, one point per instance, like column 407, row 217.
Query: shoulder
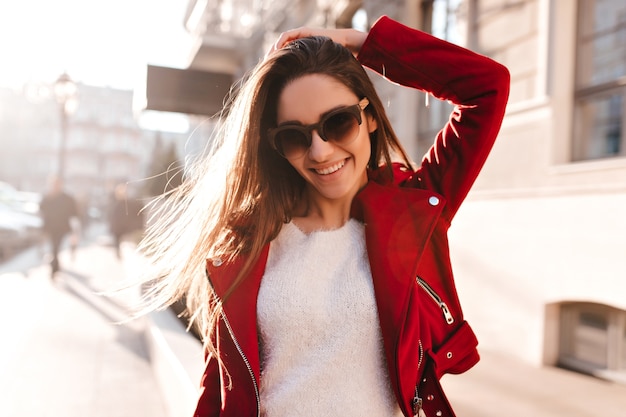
column 396, row 175
column 394, row 190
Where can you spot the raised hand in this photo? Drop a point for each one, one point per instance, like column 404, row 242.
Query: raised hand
column 350, row 38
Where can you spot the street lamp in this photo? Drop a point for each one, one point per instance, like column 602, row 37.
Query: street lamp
column 65, row 93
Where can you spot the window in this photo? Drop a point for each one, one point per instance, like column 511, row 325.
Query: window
column 593, row 339
column 600, row 92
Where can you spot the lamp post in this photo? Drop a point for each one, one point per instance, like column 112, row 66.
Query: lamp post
column 65, row 93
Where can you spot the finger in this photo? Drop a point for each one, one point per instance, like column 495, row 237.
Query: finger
column 290, row 36
column 284, row 38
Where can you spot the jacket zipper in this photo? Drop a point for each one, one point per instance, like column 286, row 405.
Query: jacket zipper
column 416, row 402
column 418, row 411
column 421, row 358
column 247, row 362
column 442, row 305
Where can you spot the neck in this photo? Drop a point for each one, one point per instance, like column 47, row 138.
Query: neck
column 318, row 213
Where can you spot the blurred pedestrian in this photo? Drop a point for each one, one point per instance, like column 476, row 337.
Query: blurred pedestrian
column 57, row 209
column 125, row 216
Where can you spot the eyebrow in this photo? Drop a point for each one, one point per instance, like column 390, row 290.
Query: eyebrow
column 326, row 113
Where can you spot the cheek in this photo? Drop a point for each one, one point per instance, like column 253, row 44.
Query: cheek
column 365, row 148
column 297, row 165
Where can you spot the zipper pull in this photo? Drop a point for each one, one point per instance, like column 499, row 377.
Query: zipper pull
column 442, row 305
column 417, row 402
column 446, row 313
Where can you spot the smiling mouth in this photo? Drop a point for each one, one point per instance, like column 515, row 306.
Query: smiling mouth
column 331, row 169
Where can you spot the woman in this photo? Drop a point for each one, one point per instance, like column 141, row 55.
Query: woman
column 312, row 255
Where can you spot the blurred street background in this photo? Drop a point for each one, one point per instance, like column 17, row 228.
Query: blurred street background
column 67, row 349
column 115, row 98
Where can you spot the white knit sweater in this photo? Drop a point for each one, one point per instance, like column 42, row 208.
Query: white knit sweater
column 321, row 345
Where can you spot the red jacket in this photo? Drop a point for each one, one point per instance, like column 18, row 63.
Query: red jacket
column 406, row 224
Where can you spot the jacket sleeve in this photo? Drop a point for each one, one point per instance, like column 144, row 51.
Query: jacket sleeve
column 476, row 85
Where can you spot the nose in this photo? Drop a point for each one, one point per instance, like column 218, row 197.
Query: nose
column 320, row 150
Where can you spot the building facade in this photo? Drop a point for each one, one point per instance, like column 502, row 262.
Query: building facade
column 104, row 143
column 539, row 248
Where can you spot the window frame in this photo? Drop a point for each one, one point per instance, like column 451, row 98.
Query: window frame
column 587, row 92
column 615, row 333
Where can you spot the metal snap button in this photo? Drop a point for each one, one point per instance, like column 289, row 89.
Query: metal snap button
column 433, row 201
column 449, row 355
column 217, row 262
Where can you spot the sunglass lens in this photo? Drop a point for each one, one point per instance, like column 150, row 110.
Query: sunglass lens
column 291, row 142
column 341, row 127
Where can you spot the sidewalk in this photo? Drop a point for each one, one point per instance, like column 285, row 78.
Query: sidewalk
column 501, row 386
column 62, row 355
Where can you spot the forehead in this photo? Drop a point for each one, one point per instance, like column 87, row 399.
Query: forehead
column 306, row 98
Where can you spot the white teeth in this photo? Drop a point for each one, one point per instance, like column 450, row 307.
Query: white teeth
column 331, row 169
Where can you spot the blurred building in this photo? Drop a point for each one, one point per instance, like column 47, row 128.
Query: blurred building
column 104, row 143
column 540, row 246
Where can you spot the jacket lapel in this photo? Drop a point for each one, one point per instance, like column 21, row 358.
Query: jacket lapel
column 240, row 306
column 398, row 224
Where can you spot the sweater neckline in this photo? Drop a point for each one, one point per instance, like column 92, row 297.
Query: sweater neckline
column 349, row 224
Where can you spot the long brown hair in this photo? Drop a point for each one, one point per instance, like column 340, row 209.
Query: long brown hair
column 236, row 199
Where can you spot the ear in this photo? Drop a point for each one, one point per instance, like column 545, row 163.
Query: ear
column 372, row 125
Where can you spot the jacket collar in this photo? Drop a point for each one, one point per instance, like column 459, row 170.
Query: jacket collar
column 240, row 307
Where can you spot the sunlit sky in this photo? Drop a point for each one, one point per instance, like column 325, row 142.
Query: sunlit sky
column 102, row 43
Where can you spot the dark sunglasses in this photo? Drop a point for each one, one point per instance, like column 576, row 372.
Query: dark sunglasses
column 340, row 126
